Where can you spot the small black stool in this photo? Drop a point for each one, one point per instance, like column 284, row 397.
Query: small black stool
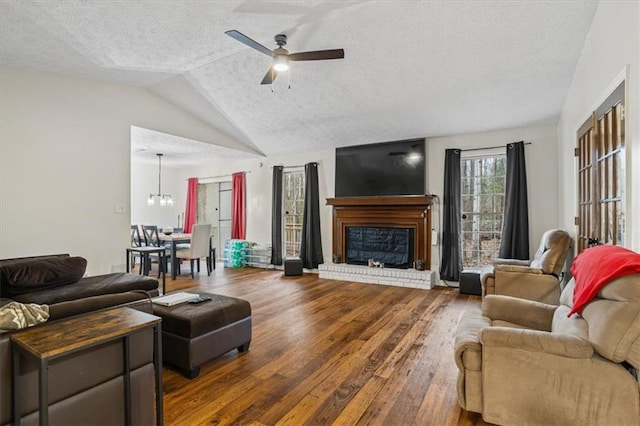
column 293, row 267
column 470, row 282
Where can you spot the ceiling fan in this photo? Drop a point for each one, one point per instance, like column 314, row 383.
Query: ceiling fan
column 281, row 56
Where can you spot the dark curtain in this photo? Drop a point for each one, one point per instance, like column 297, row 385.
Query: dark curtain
column 451, row 261
column 311, row 244
column 276, row 216
column 515, row 227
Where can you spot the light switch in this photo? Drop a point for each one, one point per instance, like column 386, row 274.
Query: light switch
column 120, row 208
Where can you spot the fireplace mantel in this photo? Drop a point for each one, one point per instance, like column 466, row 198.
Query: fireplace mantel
column 405, row 211
column 382, row 200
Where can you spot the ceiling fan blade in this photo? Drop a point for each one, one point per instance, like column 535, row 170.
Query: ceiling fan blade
column 269, row 77
column 248, row 41
column 317, row 55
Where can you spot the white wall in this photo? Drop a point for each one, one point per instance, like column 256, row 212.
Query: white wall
column 542, row 174
column 144, row 181
column 258, row 182
column 611, row 47
column 65, row 163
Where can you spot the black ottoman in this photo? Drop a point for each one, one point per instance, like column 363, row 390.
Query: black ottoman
column 193, row 334
column 293, row 267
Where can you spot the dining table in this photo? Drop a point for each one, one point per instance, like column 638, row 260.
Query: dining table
column 184, row 238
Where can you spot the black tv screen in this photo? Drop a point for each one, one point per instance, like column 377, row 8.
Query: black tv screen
column 389, row 168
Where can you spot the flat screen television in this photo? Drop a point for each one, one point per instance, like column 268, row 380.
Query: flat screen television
column 388, row 168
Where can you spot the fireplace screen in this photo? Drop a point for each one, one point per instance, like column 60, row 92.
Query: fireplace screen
column 391, row 246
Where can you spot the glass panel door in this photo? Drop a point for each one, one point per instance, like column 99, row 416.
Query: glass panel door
column 293, row 210
column 601, row 174
column 483, row 181
column 224, row 223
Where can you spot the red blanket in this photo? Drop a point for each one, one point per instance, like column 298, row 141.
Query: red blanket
column 595, row 267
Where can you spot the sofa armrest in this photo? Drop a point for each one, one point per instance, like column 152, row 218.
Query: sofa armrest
column 521, row 269
column 466, row 336
column 514, row 262
column 528, row 313
column 564, row 345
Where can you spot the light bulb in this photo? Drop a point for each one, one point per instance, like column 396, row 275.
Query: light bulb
column 163, row 202
column 281, row 63
column 150, row 200
column 414, row 158
column 169, row 200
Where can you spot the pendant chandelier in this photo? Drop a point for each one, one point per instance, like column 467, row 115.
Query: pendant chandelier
column 163, row 199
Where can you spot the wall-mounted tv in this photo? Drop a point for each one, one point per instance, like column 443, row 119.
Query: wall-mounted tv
column 389, row 168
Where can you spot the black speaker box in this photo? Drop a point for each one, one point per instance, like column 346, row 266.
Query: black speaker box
column 293, row 267
column 470, row 282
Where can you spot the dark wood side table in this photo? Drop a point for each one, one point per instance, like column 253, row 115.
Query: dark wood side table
column 47, row 342
column 145, row 251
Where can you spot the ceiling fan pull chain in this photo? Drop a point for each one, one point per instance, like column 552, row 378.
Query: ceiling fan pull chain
column 289, row 76
column 272, row 81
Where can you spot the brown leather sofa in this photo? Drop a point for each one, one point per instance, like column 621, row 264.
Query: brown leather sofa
column 524, row 362
column 85, row 387
column 536, row 279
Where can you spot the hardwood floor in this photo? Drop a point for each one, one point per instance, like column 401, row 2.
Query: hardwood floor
column 326, row 352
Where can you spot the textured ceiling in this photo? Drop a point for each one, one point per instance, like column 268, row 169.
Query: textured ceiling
column 177, row 151
column 411, row 68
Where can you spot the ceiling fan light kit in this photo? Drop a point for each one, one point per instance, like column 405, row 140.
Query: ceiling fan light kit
column 281, row 56
column 280, row 63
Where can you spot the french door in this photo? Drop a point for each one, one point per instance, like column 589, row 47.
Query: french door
column 293, row 209
column 601, row 174
column 214, row 207
column 482, row 192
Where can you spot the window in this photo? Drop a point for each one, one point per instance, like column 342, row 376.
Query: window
column 483, row 181
column 601, row 174
column 293, row 209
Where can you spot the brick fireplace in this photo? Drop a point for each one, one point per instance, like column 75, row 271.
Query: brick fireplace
column 412, row 212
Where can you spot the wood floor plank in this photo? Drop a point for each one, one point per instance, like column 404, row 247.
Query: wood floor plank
column 326, row 352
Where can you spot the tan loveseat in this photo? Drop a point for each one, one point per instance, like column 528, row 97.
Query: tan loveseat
column 525, row 362
column 535, row 279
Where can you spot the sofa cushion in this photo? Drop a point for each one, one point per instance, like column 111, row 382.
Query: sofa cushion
column 26, row 276
column 99, row 285
column 95, row 303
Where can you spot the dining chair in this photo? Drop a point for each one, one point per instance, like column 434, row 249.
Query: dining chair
column 198, row 249
column 136, row 241
column 152, row 239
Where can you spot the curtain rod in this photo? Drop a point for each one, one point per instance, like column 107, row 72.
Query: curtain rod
column 489, row 147
column 292, row 167
column 221, row 176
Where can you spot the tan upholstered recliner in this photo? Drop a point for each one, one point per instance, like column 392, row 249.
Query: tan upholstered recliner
column 536, row 279
column 525, row 362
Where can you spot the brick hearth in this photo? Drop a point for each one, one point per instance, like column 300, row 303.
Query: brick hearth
column 384, row 276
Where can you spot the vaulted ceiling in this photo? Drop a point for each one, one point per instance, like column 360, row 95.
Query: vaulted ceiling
column 411, row 68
